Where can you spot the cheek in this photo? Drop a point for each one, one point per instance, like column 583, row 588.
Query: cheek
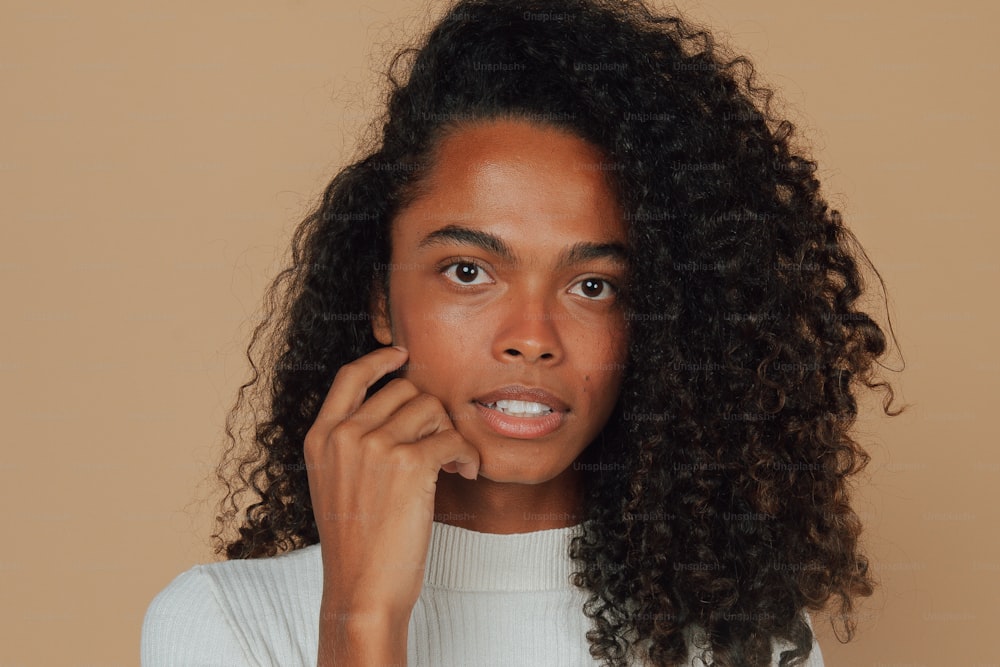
column 441, row 343
column 608, row 348
column 602, row 377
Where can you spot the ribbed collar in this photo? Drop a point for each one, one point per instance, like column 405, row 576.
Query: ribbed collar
column 467, row 560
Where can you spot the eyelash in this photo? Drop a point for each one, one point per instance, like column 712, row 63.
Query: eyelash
column 444, row 270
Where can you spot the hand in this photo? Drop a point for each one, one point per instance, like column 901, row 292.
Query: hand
column 372, row 468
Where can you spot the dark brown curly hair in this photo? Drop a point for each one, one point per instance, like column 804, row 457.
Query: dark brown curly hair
column 717, row 495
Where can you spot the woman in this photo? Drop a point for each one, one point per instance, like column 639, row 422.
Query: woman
column 563, row 372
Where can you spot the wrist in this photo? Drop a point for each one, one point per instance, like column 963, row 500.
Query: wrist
column 362, row 637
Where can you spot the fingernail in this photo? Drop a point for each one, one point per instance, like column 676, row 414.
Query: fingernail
column 400, row 348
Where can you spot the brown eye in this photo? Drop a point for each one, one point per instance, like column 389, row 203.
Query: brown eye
column 596, row 289
column 466, row 273
column 593, row 288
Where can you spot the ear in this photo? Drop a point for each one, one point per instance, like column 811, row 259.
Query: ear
column 379, row 310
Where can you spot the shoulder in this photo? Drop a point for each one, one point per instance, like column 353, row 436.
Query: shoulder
column 239, row 612
column 184, row 624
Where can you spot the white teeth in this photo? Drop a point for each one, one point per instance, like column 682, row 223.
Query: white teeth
column 520, row 408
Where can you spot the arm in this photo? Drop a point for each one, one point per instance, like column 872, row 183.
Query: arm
column 372, row 467
column 360, row 639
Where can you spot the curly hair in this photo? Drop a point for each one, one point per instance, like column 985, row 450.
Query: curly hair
column 717, row 495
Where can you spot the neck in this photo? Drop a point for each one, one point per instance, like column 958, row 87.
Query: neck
column 505, row 507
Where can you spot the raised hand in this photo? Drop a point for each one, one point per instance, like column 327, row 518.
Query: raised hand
column 372, row 467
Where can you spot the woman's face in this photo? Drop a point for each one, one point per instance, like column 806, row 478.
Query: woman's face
column 502, row 286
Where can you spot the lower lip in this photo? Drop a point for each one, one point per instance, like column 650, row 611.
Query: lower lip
column 521, row 427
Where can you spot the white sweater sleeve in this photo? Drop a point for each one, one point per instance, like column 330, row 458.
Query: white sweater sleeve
column 815, row 658
column 185, row 625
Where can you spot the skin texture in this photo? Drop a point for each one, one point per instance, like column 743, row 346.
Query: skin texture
column 526, row 319
column 537, row 310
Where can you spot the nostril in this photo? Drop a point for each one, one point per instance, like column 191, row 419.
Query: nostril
column 530, row 355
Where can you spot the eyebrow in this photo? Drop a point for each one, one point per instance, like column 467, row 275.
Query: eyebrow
column 578, row 253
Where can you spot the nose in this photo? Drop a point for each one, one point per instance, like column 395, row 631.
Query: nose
column 529, row 332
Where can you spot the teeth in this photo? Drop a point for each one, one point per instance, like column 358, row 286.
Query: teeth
column 520, row 408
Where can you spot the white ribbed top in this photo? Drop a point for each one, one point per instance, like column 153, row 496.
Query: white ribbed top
column 465, row 560
column 488, row 600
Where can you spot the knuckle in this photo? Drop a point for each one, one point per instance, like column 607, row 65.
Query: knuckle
column 396, row 455
column 402, row 458
column 313, row 442
column 349, row 371
column 344, row 432
column 375, row 441
column 431, row 403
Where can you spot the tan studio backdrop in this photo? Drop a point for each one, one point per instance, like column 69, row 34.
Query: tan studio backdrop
column 156, row 156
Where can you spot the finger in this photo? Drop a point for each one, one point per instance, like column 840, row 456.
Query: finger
column 449, row 447
column 419, row 417
column 379, row 408
column 352, row 381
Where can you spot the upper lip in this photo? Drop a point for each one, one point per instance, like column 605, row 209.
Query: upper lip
column 519, row 393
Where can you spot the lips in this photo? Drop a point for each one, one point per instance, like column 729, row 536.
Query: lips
column 522, row 412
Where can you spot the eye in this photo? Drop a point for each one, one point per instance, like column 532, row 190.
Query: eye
column 595, row 289
column 466, row 273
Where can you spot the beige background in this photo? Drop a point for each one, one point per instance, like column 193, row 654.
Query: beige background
column 156, row 157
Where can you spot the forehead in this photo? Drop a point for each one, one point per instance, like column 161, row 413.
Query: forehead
column 522, row 181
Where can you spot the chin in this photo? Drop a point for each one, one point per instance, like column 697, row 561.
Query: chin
column 510, row 472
